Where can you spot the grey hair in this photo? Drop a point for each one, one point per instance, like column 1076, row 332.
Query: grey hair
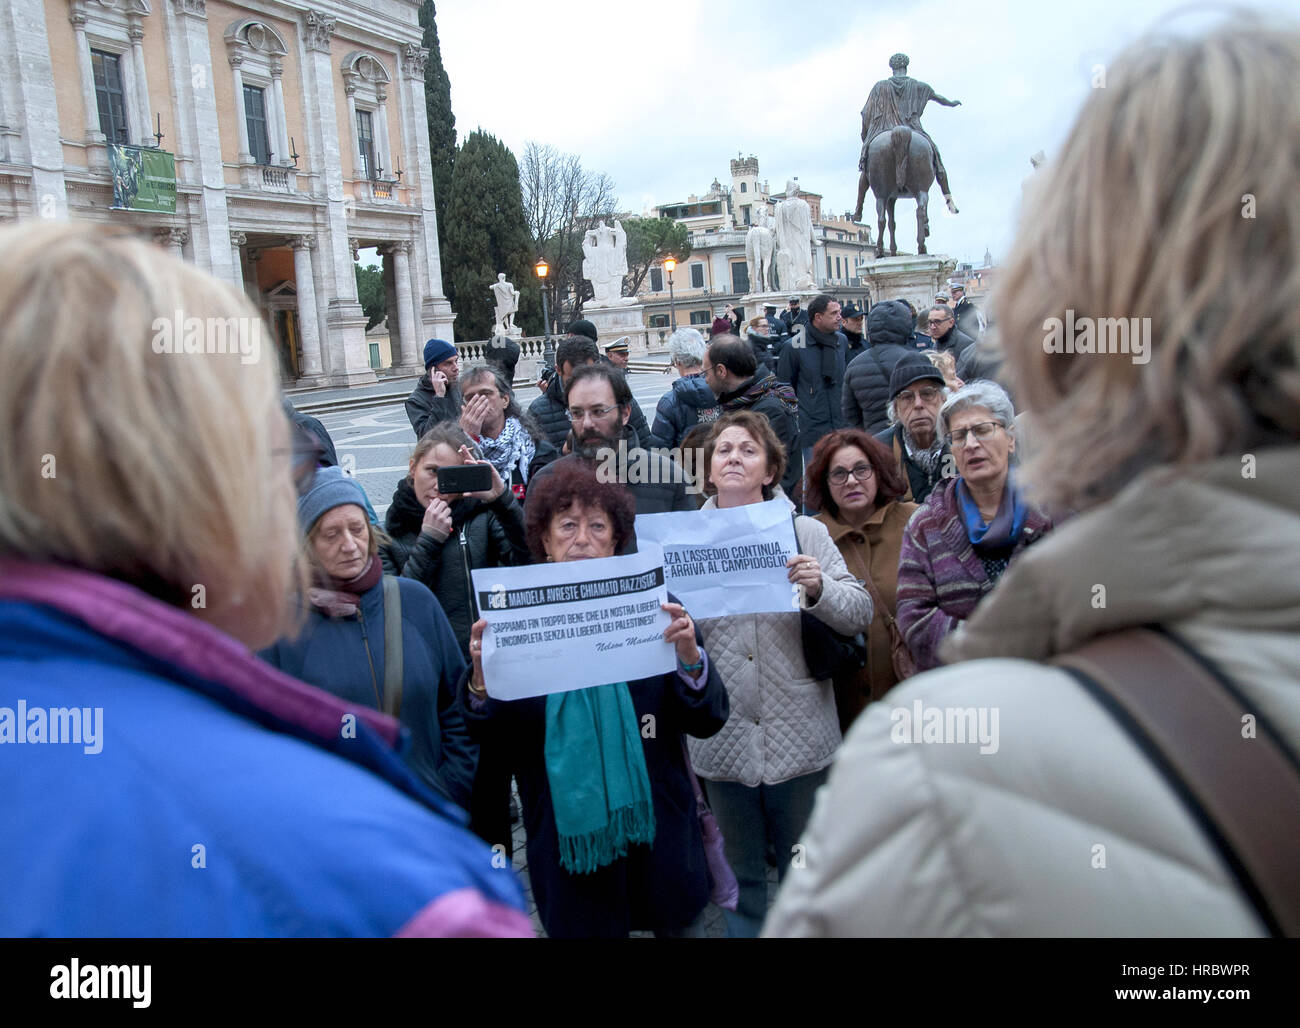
column 980, row 393
column 686, row 346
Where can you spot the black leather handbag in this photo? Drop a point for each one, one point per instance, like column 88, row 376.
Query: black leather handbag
column 827, row 653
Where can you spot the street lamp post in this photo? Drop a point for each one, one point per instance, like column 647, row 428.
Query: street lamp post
column 670, row 263
column 548, row 351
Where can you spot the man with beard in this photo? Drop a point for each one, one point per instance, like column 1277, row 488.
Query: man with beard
column 916, row 392
column 733, row 373
column 599, row 409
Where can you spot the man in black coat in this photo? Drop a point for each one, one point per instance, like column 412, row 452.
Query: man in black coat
column 740, row 383
column 813, row 363
column 852, row 329
column 966, row 313
column 792, row 316
column 605, row 437
column 866, row 379
column 548, row 410
column 436, row 397
column 945, row 334
column 916, row 392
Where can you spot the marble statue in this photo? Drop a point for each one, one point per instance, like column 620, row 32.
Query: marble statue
column 759, row 245
column 506, row 298
column 794, row 240
column 604, row 264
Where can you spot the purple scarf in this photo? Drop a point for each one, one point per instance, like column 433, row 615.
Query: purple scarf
column 339, row 598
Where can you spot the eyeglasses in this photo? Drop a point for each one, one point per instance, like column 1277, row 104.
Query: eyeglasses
column 860, row 473
column 577, row 413
column 982, row 431
column 906, row 398
column 939, row 321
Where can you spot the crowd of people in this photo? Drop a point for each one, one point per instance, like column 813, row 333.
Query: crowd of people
column 300, row 738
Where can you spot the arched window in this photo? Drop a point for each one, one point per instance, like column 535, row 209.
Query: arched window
column 110, row 61
column 256, row 53
column 365, row 81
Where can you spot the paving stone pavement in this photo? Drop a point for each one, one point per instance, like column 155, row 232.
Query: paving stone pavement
column 714, row 925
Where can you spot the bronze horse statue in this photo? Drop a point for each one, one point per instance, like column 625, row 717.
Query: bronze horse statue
column 899, row 163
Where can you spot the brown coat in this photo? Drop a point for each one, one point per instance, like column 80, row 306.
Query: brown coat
column 873, row 552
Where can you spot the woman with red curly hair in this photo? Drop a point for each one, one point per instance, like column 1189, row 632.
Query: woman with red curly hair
column 614, row 840
column 855, row 482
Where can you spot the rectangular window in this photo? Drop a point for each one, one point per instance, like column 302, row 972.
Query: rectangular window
column 697, row 276
column 366, row 141
column 837, row 267
column 109, row 96
column 658, row 320
column 828, row 265
column 255, row 117
column 739, row 277
column 656, row 280
column 700, row 318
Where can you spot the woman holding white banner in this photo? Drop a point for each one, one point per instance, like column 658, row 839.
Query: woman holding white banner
column 614, row 840
column 765, row 765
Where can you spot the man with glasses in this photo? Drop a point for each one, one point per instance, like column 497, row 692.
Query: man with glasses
column 916, row 392
column 944, row 333
column 599, row 410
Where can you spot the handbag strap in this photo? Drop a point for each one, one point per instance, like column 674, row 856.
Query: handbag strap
column 393, row 669
column 1188, row 718
column 700, row 801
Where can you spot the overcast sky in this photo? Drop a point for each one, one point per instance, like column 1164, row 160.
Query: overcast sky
column 662, row 96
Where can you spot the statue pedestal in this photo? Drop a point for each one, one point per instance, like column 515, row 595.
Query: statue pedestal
column 916, row 278
column 753, row 302
column 615, row 321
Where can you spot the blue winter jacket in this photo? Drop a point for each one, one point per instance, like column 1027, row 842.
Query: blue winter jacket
column 679, row 410
column 203, row 793
column 345, row 657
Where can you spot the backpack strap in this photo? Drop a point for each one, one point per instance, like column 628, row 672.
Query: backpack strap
column 392, row 646
column 1190, row 720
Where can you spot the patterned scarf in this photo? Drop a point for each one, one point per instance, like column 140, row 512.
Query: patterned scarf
column 514, row 447
column 925, row 459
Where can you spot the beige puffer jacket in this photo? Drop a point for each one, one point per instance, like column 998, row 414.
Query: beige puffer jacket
column 1067, row 829
column 783, row 723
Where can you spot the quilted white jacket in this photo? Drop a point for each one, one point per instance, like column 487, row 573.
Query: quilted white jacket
column 783, row 723
column 1067, row 829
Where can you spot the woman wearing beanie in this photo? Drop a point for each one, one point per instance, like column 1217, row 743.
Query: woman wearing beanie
column 348, row 649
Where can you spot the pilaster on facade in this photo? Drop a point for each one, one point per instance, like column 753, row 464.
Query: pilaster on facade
column 26, row 46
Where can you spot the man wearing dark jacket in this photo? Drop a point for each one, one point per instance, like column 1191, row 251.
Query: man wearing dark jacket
column 945, row 334
column 740, row 383
column 813, row 363
column 866, row 379
column 605, row 437
column 916, row 392
column 966, row 313
column 852, row 329
column 436, row 397
column 547, row 410
column 792, row 316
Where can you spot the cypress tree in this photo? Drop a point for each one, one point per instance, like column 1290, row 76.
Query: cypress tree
column 442, row 125
column 487, row 234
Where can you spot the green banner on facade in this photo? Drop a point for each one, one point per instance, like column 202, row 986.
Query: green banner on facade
column 143, row 179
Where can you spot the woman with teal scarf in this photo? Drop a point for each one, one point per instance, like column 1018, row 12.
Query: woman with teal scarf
column 614, row 841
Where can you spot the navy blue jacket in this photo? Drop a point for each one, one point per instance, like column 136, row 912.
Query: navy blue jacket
column 345, row 656
column 816, row 371
column 679, row 410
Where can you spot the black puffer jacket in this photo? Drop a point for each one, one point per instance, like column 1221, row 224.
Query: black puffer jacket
column 764, row 351
column 866, row 381
column 425, row 408
column 774, row 399
column 494, row 533
column 548, row 411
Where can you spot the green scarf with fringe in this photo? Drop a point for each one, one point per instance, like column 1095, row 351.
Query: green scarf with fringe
column 595, row 764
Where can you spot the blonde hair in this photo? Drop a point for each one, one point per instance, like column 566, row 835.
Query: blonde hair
column 168, row 470
column 1148, row 213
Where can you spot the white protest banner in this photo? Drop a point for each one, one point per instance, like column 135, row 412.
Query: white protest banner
column 556, row 627
column 727, row 561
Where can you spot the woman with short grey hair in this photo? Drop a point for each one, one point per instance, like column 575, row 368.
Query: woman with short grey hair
column 970, row 527
column 690, row 401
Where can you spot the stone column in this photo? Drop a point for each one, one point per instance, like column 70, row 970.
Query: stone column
column 87, row 74
column 141, row 82
column 241, row 116
column 281, row 115
column 174, row 239
column 252, row 281
column 308, row 317
column 350, row 89
column 237, row 242
column 435, row 312
column 382, row 153
column 405, row 308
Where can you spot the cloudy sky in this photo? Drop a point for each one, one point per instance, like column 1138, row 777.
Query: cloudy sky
column 661, row 96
